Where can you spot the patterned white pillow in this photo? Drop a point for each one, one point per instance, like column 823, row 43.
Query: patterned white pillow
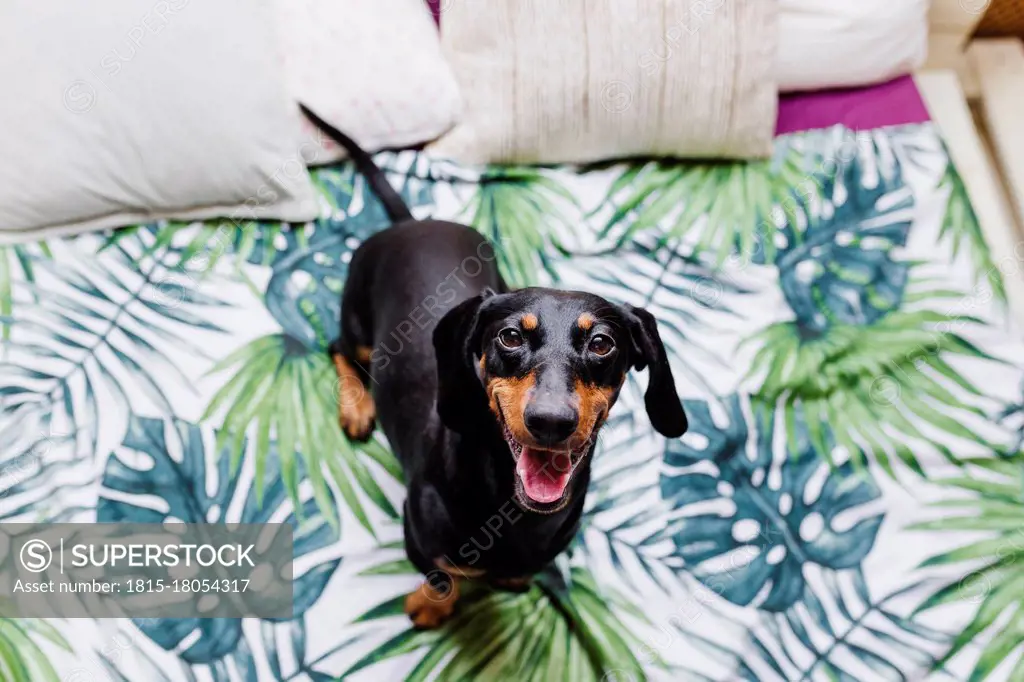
column 371, row 68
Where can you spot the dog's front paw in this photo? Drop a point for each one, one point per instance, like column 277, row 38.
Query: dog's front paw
column 429, row 606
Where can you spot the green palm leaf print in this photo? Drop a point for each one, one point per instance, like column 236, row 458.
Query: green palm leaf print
column 960, row 225
column 563, row 628
column 521, row 210
column 992, row 564
column 290, row 395
column 877, row 385
column 731, row 204
column 13, row 259
column 861, row 355
column 22, row 659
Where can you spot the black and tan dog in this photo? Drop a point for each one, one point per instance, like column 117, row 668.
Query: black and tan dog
column 491, row 399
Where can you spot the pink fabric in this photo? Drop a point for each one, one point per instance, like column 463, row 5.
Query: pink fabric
column 875, row 106
column 894, row 103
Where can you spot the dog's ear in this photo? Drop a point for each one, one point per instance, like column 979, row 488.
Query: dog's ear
column 661, row 400
column 456, row 338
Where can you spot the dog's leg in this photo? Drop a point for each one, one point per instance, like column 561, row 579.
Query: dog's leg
column 356, row 411
column 433, row 602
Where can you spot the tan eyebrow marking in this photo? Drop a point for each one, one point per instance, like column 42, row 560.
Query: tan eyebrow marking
column 529, row 321
column 585, row 321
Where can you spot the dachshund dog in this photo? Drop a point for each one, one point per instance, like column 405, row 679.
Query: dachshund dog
column 491, row 399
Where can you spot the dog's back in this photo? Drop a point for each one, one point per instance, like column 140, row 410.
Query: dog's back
column 401, row 282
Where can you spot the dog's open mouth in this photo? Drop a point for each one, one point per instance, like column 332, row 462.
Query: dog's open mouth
column 544, row 474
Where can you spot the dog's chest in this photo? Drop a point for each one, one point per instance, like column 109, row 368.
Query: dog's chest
column 510, row 542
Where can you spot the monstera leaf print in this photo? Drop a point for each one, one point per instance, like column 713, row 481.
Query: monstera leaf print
column 563, row 628
column 843, row 632
column 521, row 211
column 860, row 352
column 621, row 538
column 989, row 573
column 781, row 544
column 176, row 462
column 839, row 269
column 347, row 192
column 304, row 291
column 282, row 646
column 309, row 264
column 758, row 552
column 727, row 204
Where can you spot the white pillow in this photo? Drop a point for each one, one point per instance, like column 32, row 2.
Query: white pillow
column 135, row 110
column 371, row 68
column 845, row 43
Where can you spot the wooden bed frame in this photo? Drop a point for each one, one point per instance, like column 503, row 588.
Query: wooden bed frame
column 974, row 91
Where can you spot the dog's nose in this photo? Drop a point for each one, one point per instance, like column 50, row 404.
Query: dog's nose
column 550, row 424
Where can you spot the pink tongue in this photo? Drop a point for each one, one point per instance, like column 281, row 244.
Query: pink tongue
column 544, row 474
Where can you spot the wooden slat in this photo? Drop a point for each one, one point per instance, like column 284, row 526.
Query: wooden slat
column 999, row 65
column 945, row 51
column 947, row 105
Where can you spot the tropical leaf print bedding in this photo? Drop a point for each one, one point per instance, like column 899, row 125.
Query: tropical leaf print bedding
column 848, row 503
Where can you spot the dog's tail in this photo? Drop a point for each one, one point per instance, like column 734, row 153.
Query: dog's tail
column 396, row 208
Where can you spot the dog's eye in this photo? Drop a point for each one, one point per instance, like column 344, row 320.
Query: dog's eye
column 510, row 338
column 601, row 345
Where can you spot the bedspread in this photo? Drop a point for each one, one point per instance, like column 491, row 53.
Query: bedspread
column 847, row 503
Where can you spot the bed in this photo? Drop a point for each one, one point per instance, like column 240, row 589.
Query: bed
column 845, row 506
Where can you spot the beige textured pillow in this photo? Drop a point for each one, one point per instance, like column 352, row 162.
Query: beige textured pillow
column 546, row 81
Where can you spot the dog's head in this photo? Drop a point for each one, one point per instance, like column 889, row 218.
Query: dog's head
column 549, row 365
